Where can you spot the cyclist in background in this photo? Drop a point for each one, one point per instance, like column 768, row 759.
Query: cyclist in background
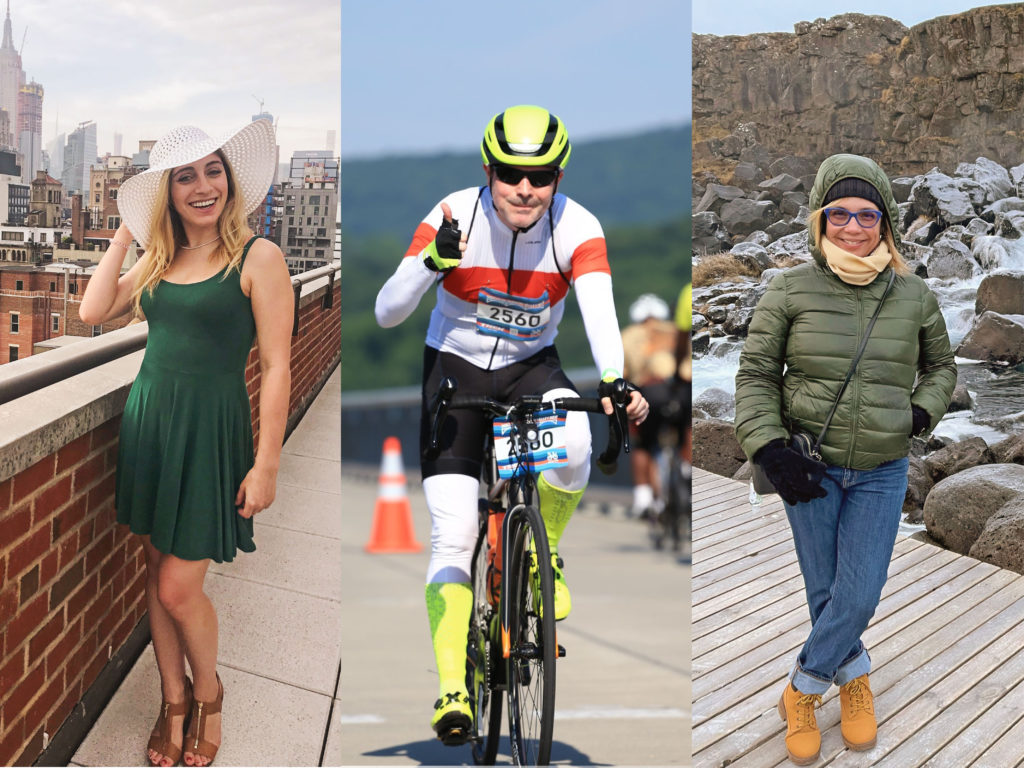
column 649, row 348
column 501, row 287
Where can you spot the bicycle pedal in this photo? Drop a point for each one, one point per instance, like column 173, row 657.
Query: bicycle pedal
column 454, row 737
column 561, row 651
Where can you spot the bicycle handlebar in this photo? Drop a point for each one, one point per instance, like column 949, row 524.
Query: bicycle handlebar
column 618, row 433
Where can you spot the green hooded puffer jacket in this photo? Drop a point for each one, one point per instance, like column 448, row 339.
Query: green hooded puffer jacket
column 805, row 333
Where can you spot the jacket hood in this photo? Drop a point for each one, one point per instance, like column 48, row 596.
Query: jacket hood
column 837, row 167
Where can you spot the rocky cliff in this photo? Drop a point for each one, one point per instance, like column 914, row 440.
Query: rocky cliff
column 941, row 92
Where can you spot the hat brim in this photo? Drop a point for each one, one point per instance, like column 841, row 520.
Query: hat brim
column 251, row 151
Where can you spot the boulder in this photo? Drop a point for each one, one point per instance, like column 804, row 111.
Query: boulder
column 1009, row 224
column 747, row 176
column 1017, row 175
column 1002, row 539
column 742, row 216
column 752, row 256
column 737, row 322
column 758, row 237
column 700, row 343
column 779, row 185
column 792, row 202
column 715, row 447
column 715, row 402
column 794, row 166
column 790, row 246
column 950, row 259
column 782, row 228
column 901, row 187
column 918, row 485
column 708, row 233
column 715, row 196
column 1001, row 291
column 957, row 509
column 961, row 401
column 995, row 337
column 922, row 230
column 989, row 213
column 937, row 196
column 990, row 175
column 770, row 274
column 977, row 226
column 957, row 457
column 1009, row 451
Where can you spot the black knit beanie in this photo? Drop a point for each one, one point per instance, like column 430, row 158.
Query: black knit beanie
column 853, row 187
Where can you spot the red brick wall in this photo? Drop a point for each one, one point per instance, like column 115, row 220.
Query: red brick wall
column 72, row 581
column 72, row 586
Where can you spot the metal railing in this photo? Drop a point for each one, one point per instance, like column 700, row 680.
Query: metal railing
column 32, row 373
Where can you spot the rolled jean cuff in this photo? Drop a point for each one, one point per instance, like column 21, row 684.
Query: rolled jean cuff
column 854, row 668
column 807, row 682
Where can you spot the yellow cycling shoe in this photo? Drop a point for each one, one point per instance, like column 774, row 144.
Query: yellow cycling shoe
column 453, row 719
column 563, row 600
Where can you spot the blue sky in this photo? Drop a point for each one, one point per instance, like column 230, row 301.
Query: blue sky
column 143, row 67
column 422, row 77
column 743, row 17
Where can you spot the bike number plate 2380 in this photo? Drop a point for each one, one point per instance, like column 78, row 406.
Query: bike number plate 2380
column 547, row 451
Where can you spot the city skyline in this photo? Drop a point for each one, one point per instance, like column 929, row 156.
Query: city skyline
column 150, row 67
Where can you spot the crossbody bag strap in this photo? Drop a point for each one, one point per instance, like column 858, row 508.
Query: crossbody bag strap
column 856, row 359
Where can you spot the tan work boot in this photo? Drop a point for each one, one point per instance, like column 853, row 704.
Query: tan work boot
column 803, row 739
column 857, row 707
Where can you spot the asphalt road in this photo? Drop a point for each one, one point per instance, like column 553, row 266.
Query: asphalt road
column 623, row 689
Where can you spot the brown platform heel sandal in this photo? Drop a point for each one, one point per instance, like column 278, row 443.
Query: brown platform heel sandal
column 195, row 741
column 160, row 738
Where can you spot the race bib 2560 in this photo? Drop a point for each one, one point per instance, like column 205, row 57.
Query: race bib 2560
column 511, row 317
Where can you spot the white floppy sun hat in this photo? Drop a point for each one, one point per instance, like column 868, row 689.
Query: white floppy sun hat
column 251, row 152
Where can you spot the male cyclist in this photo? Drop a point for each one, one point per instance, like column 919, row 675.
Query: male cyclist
column 502, row 257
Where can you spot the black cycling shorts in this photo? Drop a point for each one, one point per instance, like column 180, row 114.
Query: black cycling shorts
column 464, row 431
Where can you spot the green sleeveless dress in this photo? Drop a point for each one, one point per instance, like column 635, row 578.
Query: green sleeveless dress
column 186, row 433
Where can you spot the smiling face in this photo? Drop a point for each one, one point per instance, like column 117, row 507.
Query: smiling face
column 520, row 206
column 199, row 191
column 852, row 237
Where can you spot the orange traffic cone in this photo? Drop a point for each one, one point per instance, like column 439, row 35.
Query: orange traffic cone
column 392, row 517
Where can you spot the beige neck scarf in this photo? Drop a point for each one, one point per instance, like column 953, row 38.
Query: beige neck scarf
column 855, row 270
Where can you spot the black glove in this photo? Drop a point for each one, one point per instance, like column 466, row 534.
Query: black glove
column 922, row 421
column 796, row 478
column 443, row 254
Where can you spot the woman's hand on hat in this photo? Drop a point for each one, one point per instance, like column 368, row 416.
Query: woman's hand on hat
column 123, row 233
column 256, row 492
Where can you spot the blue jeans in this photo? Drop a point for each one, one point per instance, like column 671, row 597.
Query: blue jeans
column 844, row 543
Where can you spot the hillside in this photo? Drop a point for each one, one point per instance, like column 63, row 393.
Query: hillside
column 626, row 180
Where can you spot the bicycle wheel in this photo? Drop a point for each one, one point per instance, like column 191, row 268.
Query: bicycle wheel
column 529, row 617
column 482, row 658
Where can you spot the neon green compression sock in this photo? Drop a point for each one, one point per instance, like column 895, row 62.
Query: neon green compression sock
column 556, row 507
column 448, row 608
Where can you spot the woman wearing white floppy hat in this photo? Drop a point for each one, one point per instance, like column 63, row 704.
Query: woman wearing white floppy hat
column 187, row 482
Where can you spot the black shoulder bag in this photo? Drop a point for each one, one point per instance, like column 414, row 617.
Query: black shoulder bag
column 802, row 442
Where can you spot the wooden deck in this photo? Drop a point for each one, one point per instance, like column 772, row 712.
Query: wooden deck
column 947, row 647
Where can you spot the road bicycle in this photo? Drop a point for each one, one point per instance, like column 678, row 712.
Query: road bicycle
column 512, row 637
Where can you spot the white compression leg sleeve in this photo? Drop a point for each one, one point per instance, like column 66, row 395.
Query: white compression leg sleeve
column 454, row 526
column 575, row 475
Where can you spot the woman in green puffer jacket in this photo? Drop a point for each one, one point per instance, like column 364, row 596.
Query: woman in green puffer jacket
column 803, row 337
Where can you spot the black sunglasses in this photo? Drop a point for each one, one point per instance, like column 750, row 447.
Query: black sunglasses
column 542, row 178
column 840, row 217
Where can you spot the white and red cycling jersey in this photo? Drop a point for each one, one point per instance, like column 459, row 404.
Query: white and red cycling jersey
column 505, row 299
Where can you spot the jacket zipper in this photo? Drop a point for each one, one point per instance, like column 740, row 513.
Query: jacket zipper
column 508, row 289
column 855, row 399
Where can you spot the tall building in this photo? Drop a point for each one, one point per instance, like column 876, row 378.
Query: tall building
column 30, row 129
column 79, row 156
column 313, row 166
column 55, row 153
column 12, row 77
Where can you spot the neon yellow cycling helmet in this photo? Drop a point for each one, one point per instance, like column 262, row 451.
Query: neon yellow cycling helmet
column 526, row 135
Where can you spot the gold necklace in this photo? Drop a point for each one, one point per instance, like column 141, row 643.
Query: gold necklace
column 194, row 247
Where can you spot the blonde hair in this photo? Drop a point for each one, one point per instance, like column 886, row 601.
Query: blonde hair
column 816, row 224
column 167, row 234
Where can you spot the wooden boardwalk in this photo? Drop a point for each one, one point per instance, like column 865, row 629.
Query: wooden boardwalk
column 947, row 647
